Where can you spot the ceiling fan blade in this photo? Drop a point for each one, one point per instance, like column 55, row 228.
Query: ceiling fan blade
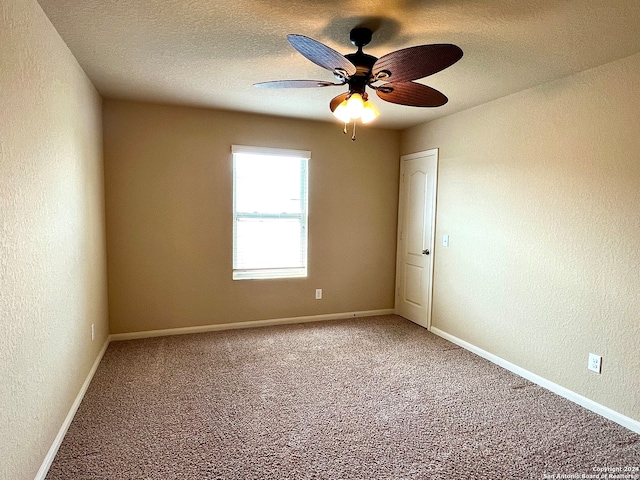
column 335, row 101
column 320, row 54
column 417, row 62
column 411, row 94
column 295, row 84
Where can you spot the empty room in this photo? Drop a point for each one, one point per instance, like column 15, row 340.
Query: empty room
column 268, row 239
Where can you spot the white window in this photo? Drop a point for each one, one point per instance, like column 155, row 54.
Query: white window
column 269, row 212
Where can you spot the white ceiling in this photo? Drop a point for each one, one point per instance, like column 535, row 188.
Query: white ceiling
column 210, row 52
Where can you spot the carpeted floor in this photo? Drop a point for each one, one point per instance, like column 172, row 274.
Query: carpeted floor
column 369, row 398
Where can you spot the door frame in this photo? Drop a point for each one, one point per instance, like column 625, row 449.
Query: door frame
column 404, row 158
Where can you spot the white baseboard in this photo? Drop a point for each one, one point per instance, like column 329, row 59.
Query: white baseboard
column 249, row 324
column 48, row 459
column 606, row 412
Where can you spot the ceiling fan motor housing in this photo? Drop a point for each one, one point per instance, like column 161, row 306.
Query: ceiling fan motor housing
column 364, row 64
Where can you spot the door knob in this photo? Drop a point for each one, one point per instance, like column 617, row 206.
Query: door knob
column 425, row 251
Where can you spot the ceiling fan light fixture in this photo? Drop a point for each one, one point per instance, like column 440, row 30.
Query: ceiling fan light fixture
column 341, row 112
column 355, row 106
column 370, row 112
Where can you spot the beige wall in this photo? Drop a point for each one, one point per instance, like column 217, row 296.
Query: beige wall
column 169, row 218
column 52, row 242
column 540, row 194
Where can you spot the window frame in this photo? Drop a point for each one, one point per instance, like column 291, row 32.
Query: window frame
column 282, row 272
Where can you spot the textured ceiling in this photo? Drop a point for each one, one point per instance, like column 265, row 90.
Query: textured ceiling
column 210, row 52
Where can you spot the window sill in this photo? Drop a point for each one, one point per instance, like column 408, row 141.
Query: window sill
column 269, row 273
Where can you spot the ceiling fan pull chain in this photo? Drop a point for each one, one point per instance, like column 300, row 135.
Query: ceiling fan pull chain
column 353, row 137
column 345, row 128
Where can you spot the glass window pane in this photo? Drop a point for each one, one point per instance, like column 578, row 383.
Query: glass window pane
column 269, row 243
column 267, row 184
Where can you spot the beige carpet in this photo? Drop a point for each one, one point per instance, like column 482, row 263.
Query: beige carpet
column 369, row 398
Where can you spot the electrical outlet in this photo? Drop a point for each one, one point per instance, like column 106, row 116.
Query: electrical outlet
column 595, row 363
column 318, row 293
column 93, row 331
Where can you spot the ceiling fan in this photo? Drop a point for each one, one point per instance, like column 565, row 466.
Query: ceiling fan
column 390, row 76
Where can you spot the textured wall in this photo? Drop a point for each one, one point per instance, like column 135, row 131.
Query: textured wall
column 540, row 193
column 169, row 217
column 52, row 242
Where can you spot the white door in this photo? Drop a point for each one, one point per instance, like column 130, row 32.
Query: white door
column 416, row 229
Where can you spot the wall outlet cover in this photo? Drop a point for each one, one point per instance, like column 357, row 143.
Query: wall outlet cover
column 595, row 363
